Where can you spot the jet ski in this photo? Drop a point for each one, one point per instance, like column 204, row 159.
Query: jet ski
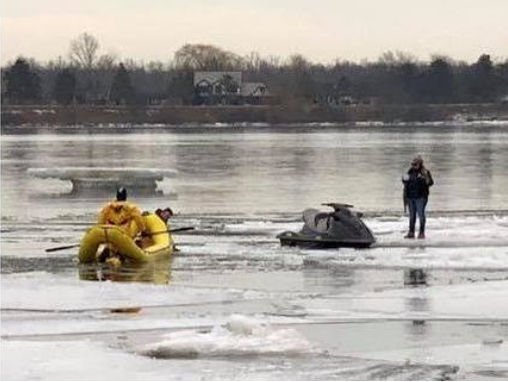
column 341, row 228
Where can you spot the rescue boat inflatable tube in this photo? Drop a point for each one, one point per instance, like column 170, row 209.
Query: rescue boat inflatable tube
column 161, row 245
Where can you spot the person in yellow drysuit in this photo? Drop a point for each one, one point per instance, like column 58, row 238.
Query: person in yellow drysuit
column 123, row 214
column 164, row 214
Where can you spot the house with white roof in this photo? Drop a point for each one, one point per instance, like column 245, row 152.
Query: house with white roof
column 227, row 88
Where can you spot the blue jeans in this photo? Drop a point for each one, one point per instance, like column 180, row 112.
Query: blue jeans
column 417, row 207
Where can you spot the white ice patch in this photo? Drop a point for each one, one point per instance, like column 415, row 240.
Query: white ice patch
column 77, row 360
column 475, row 258
column 458, row 121
column 43, row 303
column 240, row 336
column 477, row 301
column 463, row 242
column 448, row 231
column 42, row 290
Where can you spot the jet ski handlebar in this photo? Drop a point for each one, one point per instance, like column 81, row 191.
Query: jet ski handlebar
column 337, row 206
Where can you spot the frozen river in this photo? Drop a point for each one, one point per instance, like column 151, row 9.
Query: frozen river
column 233, row 304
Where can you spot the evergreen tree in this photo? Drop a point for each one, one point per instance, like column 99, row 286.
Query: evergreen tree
column 439, row 83
column 409, row 77
column 22, row 84
column 502, row 71
column 484, row 82
column 343, row 86
column 122, row 91
column 64, row 89
column 181, row 86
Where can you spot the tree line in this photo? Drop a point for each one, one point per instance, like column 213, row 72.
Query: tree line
column 88, row 77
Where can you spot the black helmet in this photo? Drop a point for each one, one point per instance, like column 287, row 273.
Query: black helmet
column 121, row 194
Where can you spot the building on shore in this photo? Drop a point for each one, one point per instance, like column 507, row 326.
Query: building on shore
column 228, row 88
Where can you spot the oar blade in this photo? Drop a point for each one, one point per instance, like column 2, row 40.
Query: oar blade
column 182, row 229
column 55, row 249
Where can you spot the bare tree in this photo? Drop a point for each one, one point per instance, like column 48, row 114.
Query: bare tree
column 83, row 50
column 298, row 63
column 253, row 61
column 396, row 58
column 206, row 57
column 107, row 62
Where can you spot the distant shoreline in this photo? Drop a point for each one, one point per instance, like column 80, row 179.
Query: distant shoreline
column 44, row 115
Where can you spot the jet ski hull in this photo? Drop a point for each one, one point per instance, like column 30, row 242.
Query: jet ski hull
column 293, row 239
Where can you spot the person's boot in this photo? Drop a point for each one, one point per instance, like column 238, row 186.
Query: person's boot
column 421, row 235
column 410, row 235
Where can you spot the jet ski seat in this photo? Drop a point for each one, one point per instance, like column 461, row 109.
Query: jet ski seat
column 322, row 221
column 317, row 220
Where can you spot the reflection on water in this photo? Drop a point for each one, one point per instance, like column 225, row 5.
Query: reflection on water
column 156, row 272
column 415, row 277
column 273, row 170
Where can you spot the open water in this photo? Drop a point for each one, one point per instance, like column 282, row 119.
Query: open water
column 234, row 304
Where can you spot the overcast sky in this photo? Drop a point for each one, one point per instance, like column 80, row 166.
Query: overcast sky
column 322, row 30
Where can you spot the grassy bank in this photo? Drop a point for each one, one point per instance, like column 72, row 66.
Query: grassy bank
column 58, row 115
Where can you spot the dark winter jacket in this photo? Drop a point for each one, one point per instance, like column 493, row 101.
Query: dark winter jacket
column 417, row 184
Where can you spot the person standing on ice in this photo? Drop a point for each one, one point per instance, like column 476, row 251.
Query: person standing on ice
column 417, row 182
column 123, row 214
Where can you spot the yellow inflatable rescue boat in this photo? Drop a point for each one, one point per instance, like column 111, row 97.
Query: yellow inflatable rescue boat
column 158, row 245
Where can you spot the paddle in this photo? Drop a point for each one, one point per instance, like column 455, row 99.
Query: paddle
column 55, row 249
column 170, row 231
